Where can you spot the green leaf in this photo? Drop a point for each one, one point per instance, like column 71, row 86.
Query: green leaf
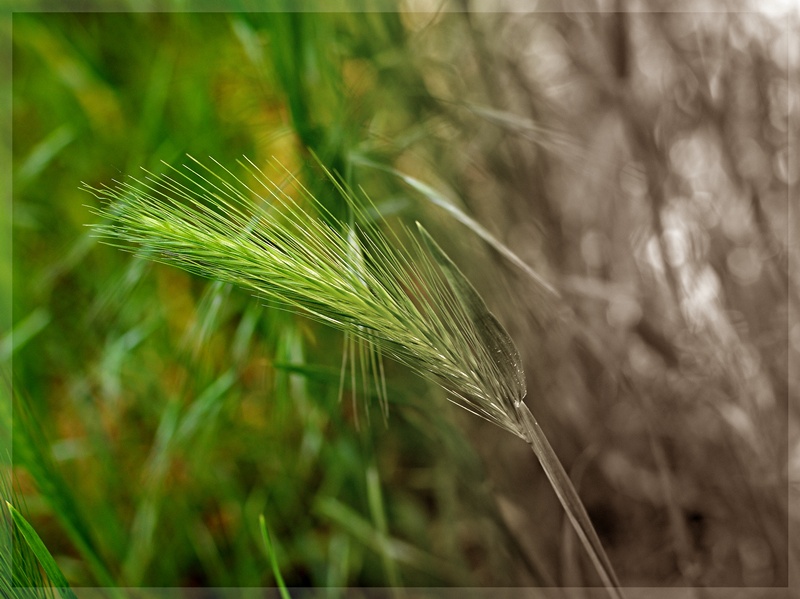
column 42, row 554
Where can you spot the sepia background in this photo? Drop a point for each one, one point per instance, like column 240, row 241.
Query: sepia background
column 642, row 162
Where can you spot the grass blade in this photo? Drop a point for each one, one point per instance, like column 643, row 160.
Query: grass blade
column 21, row 576
column 38, row 548
column 378, row 513
column 273, row 560
column 397, row 550
column 439, row 200
column 29, row 444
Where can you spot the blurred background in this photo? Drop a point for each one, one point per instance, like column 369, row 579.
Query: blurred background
column 642, row 162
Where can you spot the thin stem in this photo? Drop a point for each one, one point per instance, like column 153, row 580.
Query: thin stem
column 569, row 498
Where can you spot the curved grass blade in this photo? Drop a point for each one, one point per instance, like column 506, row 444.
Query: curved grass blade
column 38, row 548
column 29, row 452
column 439, row 200
column 21, row 576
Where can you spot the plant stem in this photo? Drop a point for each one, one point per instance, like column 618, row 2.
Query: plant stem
column 569, row 498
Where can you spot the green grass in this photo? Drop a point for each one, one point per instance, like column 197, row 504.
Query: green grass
column 179, row 411
column 159, row 414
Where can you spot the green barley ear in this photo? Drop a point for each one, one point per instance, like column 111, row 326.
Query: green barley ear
column 404, row 298
column 278, row 241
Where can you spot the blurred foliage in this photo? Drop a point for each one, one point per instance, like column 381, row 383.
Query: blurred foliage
column 645, row 160
column 641, row 161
